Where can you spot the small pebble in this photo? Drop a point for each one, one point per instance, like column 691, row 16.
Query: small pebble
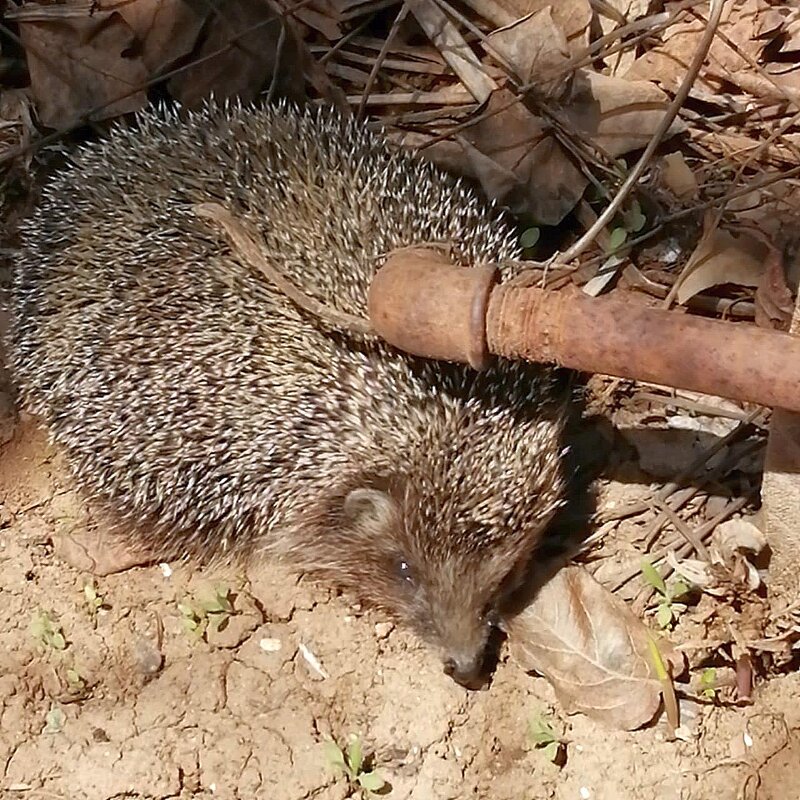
column 270, row 645
column 383, row 629
column 147, row 656
column 585, row 793
column 166, row 570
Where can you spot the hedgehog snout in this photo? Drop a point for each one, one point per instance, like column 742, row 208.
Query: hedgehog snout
column 466, row 668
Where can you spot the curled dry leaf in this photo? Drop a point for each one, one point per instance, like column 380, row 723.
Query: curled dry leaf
column 678, row 177
column 254, row 46
column 80, row 60
column 166, row 29
column 722, row 257
column 774, row 296
column 593, row 650
column 536, row 49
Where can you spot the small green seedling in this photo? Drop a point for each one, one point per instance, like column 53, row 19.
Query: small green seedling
column 54, row 720
column 208, row 610
column 94, row 600
column 75, row 681
column 668, row 609
column 708, row 683
column 529, row 238
column 544, row 738
column 47, row 631
column 350, row 763
column 633, row 220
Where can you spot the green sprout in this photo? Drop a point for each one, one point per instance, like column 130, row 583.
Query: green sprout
column 208, row 610
column 529, row 238
column 47, row 631
column 544, row 738
column 668, row 609
column 708, row 683
column 94, row 600
column 349, row 762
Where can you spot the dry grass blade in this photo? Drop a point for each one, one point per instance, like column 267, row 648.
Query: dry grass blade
column 454, row 49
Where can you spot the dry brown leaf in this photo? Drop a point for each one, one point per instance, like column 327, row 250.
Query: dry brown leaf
column 617, row 114
column 721, row 258
column 775, row 301
column 678, row 177
column 614, row 13
column 592, row 648
column 166, row 29
column 571, row 16
column 668, row 63
column 250, row 57
column 536, row 48
column 79, row 61
column 519, row 164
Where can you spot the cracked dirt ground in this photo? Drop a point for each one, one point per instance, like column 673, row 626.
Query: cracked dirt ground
column 133, row 706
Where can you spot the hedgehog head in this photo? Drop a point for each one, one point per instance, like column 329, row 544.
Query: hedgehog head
column 444, row 541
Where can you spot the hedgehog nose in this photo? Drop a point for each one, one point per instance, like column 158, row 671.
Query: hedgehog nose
column 467, row 672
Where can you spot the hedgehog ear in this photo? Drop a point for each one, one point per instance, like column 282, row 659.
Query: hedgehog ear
column 371, row 505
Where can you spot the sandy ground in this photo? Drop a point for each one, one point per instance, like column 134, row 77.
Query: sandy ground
column 133, row 705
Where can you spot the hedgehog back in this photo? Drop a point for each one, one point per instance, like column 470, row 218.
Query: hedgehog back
column 184, row 389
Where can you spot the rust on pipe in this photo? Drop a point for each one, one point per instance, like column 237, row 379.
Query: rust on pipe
column 420, row 302
column 628, row 340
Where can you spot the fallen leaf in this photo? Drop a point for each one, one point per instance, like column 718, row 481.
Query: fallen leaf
column 678, row 177
column 80, row 61
column 241, row 57
column 573, row 17
column 592, row 649
column 774, row 298
column 519, row 163
column 617, row 114
column 720, row 258
column 614, row 14
column 536, row 48
column 166, row 29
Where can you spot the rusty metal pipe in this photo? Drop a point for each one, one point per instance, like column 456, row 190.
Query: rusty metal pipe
column 411, row 306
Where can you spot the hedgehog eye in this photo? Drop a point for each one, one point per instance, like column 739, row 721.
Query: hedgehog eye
column 490, row 615
column 403, row 570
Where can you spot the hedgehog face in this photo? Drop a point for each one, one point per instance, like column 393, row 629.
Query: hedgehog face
column 450, row 599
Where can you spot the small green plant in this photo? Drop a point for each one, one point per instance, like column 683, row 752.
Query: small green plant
column 75, row 681
column 207, row 610
column 54, row 720
column 94, row 600
column 633, row 220
column 708, row 683
column 529, row 238
column 47, row 631
column 349, row 762
column 544, row 738
column 669, row 609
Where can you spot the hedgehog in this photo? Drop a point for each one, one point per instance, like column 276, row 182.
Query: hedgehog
column 218, row 420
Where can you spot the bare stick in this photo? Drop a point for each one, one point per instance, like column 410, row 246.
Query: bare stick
column 245, row 246
column 675, row 106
